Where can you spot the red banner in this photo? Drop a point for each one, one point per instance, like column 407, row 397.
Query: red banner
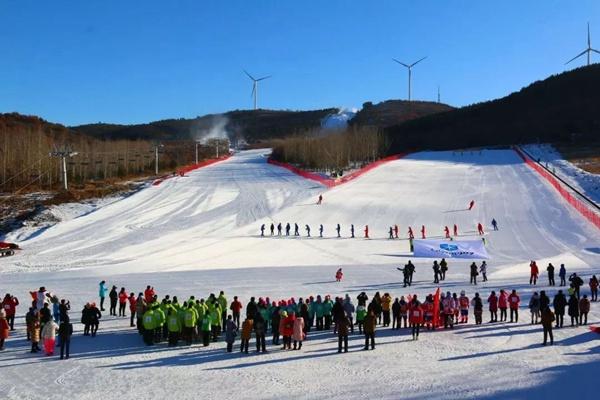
column 436, row 308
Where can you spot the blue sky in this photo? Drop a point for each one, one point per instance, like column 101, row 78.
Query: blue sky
column 78, row 62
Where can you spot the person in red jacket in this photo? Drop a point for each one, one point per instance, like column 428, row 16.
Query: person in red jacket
column 447, row 232
column 320, row 200
column 123, row 297
column 3, row 329
column 423, row 231
column 480, row 228
column 535, row 271
column 396, row 231
column 455, row 230
column 493, row 301
column 410, row 233
column 339, row 275
column 366, row 231
column 503, row 305
column 149, row 294
column 514, row 300
column 287, row 329
column 416, row 315
column 236, row 309
column 9, row 305
column 132, row 308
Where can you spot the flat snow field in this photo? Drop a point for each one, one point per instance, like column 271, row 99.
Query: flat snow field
column 200, row 233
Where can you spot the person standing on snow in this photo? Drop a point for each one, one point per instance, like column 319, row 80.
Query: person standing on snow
column 447, row 232
column 122, row 302
column 272, row 229
column 416, row 316
column 366, row 231
column 352, row 231
column 534, row 308
column 574, row 310
column 65, row 331
column 132, row 308
column 396, row 231
column 534, row 273
column 298, row 334
column 550, row 270
column 321, row 230
column 287, row 229
column 514, row 300
column 9, row 305
column 262, row 230
column 443, row 269
column 576, row 283
column 247, row 327
column 559, row 303
column 455, row 230
column 562, row 274
column 494, row 224
column 338, row 228
column 584, row 309
column 547, row 319
column 483, row 271
column 410, row 233
column 391, row 233
column 369, row 328
column 236, row 309
column 503, row 305
column 279, row 229
column 594, row 287
column 474, row 273
column 320, row 200
column 296, row 230
column 49, row 336
column 307, row 228
column 231, row 331
column 423, row 232
column 4, row 329
column 436, row 272
column 463, row 304
column 339, row 275
column 102, row 293
column 260, row 330
column 114, row 297
column 477, row 309
column 342, row 329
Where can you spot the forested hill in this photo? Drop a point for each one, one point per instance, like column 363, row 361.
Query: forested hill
column 563, row 107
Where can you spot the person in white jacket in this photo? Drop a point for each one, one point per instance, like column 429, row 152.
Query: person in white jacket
column 49, row 336
column 483, row 271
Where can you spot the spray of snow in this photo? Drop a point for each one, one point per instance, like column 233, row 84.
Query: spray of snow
column 216, row 128
column 338, row 120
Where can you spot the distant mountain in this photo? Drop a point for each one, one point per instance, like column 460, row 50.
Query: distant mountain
column 563, row 107
column 250, row 125
column 394, row 112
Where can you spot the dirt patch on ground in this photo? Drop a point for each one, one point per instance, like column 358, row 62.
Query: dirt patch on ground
column 585, row 156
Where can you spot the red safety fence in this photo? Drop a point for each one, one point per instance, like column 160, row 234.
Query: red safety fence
column 183, row 170
column 574, row 201
column 330, row 182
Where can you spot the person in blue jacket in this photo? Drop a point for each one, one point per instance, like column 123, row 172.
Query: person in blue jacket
column 102, row 293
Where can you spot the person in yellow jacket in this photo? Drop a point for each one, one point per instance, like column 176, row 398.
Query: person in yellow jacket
column 189, row 323
column 223, row 305
column 247, row 327
column 159, row 321
column 174, row 326
column 386, row 305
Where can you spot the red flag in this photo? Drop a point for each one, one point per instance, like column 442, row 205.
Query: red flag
column 436, row 308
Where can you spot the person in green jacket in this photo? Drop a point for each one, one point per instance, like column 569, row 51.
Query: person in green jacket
column 361, row 313
column 327, row 308
column 189, row 323
column 159, row 320
column 148, row 323
column 223, row 305
column 319, row 312
column 215, row 321
column 174, row 326
column 206, row 329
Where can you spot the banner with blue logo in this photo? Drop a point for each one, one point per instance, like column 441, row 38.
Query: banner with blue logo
column 470, row 249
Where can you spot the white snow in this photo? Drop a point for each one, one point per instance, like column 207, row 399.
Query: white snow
column 585, row 182
column 200, row 233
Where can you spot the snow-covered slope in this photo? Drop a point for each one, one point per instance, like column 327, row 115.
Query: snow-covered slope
column 200, row 233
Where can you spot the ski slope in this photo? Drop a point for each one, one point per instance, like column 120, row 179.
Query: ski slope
column 200, row 233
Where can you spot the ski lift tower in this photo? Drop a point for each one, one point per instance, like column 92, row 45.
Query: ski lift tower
column 63, row 154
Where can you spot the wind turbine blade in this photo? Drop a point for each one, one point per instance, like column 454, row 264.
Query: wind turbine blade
column 263, row 78
column 416, row 62
column 253, row 90
column 249, row 76
column 401, row 63
column 577, row 56
column 594, row 50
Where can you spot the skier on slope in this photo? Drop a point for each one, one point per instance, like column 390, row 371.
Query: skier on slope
column 320, row 200
column 410, row 233
column 321, row 230
column 471, row 204
column 447, row 232
column 391, row 233
column 338, row 228
column 307, row 230
column 287, row 229
column 396, row 231
column 279, row 229
column 262, row 230
column 366, row 231
column 272, row 229
column 480, row 228
column 352, row 230
column 423, row 232
column 296, row 230
column 455, row 230
column 494, row 224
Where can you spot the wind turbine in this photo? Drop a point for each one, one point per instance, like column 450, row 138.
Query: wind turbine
column 255, row 86
column 409, row 67
column 589, row 50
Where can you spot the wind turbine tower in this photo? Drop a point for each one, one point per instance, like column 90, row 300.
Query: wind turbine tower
column 409, row 67
column 589, row 50
column 255, row 87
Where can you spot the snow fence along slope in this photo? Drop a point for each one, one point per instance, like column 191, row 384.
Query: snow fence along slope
column 211, row 218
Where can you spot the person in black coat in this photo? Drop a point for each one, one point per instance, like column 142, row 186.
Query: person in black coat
column 576, row 283
column 114, row 297
column 45, row 314
column 544, row 300
column 86, row 319
column 275, row 319
column 304, row 314
column 251, row 309
column 550, row 270
column 95, row 316
column 65, row 331
column 559, row 303
column 574, row 310
column 337, row 312
column 362, row 299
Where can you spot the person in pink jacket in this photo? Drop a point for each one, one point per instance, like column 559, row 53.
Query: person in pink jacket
column 298, row 334
column 503, row 305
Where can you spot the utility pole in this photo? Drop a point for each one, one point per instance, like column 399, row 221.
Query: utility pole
column 63, row 154
column 217, row 142
column 439, row 94
column 156, row 147
column 197, row 143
